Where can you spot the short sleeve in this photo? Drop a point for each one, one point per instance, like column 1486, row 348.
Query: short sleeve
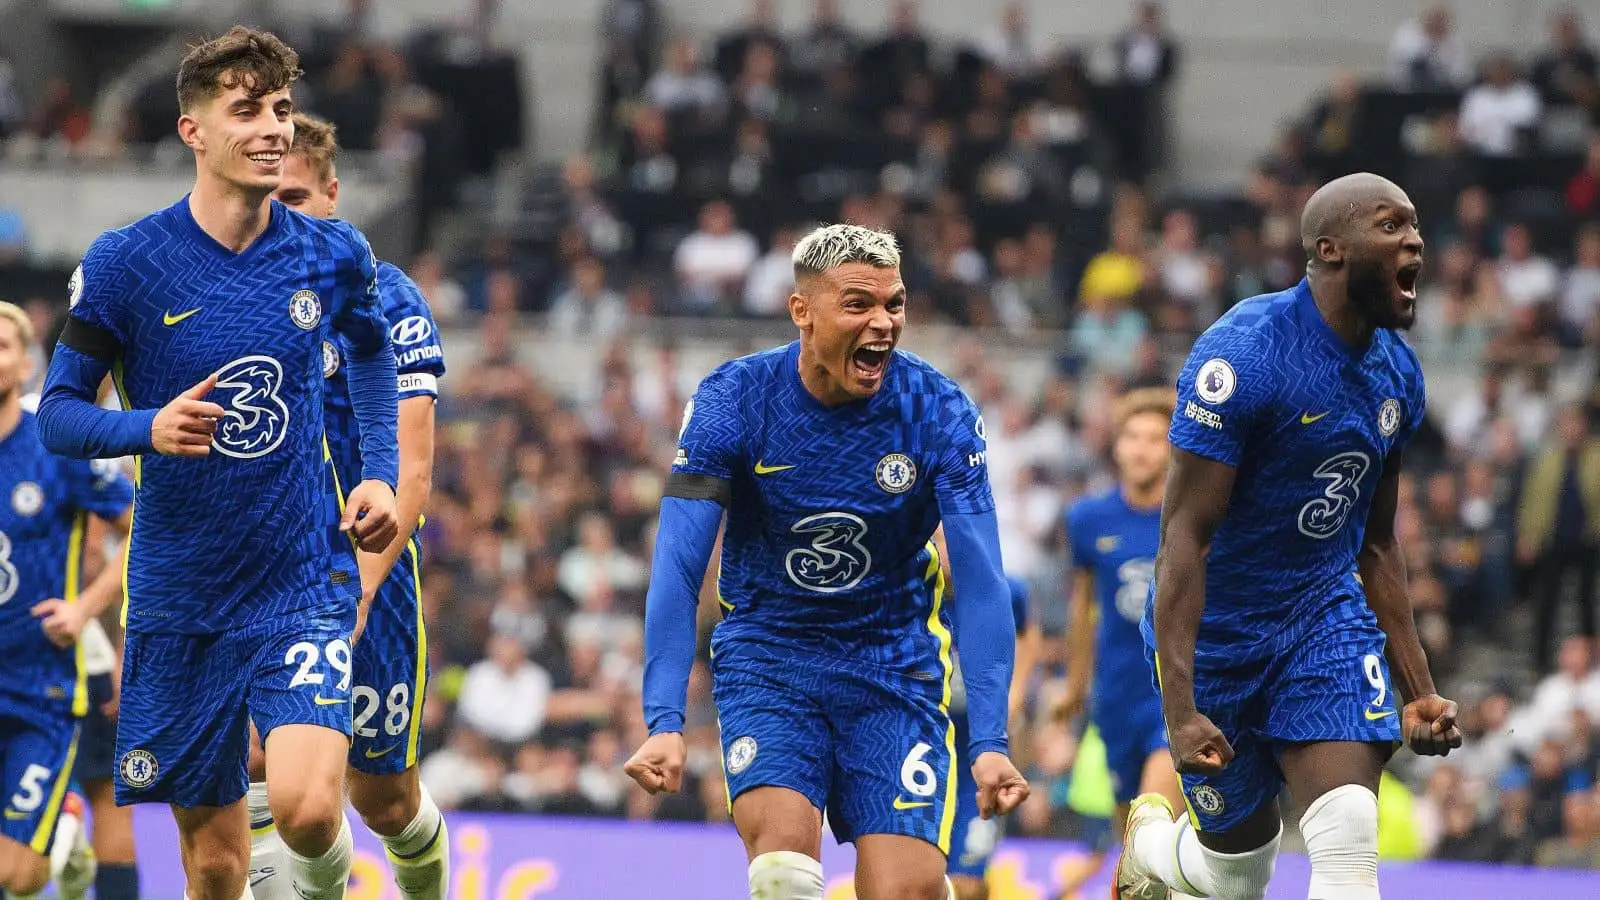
column 1078, row 535
column 961, row 481
column 99, row 486
column 418, row 354
column 1224, row 388
column 359, row 316
column 1019, row 602
column 711, row 437
column 94, row 292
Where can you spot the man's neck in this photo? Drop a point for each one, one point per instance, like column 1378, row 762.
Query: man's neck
column 815, row 379
column 232, row 217
column 11, row 412
column 1333, row 304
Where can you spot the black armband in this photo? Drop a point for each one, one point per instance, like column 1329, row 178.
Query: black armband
column 699, row 487
column 90, row 340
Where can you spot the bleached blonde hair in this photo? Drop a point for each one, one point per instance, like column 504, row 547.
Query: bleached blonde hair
column 830, row 246
column 14, row 314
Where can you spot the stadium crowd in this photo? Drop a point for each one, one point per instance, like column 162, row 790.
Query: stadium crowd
column 1025, row 208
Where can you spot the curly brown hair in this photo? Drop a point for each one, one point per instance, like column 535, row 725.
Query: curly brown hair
column 318, row 141
column 1160, row 401
column 259, row 61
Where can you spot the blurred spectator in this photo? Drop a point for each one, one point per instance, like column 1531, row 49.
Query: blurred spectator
column 1009, row 45
column 1583, row 190
column 1578, row 847
column 684, row 84
column 445, row 297
column 759, row 30
column 1426, row 54
column 826, row 44
column 1527, row 279
column 1558, row 526
column 711, row 263
column 1567, row 72
column 588, row 309
column 596, row 563
column 1580, row 296
column 771, row 280
column 505, row 695
column 1146, row 54
column 1498, row 114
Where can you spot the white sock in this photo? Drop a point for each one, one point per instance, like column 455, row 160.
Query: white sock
column 785, row 875
column 326, row 876
column 1241, row 876
column 419, row 856
column 269, row 865
column 1341, row 834
column 1172, row 852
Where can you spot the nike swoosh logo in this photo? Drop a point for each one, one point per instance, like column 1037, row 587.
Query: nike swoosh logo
column 1375, row 715
column 371, row 754
column 763, row 469
column 328, row 701
column 170, row 319
column 904, row 805
column 1307, row 418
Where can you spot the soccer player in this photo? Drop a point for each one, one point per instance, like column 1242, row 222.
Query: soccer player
column 1280, row 586
column 241, row 592
column 391, row 656
column 835, row 458
column 110, row 861
column 1114, row 535
column 974, row 838
column 45, row 505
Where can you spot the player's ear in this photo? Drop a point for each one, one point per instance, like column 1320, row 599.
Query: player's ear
column 333, row 195
column 189, row 131
column 1330, row 252
column 800, row 310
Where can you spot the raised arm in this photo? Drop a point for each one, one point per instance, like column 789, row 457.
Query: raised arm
column 1428, row 720
column 1198, row 490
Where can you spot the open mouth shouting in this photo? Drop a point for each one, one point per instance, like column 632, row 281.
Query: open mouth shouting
column 870, row 360
column 1405, row 279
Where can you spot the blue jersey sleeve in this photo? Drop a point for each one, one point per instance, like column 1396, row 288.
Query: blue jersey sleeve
column 1226, row 385
column 99, row 486
column 418, row 355
column 711, row 438
column 70, row 422
column 961, row 481
column 372, row 375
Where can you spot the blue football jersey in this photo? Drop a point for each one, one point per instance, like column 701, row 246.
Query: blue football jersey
column 45, row 502
column 417, row 354
column 827, row 542
column 248, row 532
column 1116, row 544
column 1309, row 423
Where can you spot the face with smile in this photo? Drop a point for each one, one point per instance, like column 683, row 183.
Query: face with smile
column 850, row 317
column 241, row 139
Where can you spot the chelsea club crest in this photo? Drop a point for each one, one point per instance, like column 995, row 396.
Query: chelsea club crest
column 305, row 309
column 896, row 473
